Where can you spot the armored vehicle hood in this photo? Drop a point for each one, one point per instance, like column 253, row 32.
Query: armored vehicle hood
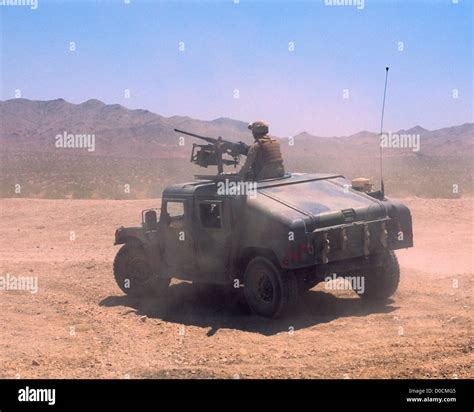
column 320, row 200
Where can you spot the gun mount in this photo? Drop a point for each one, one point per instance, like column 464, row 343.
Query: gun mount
column 211, row 154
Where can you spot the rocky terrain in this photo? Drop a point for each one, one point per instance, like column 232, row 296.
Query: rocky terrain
column 79, row 324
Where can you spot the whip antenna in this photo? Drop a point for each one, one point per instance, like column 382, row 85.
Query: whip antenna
column 381, row 131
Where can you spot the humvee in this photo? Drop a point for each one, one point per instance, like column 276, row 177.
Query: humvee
column 286, row 238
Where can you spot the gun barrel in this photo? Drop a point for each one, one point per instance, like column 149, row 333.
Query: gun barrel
column 207, row 139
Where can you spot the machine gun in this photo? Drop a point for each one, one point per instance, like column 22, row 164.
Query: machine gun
column 210, row 154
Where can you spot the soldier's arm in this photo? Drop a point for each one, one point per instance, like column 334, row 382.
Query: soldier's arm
column 251, row 155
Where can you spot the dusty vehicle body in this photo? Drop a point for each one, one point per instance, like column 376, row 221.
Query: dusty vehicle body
column 284, row 240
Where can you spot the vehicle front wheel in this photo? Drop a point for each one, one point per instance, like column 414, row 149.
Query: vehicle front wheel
column 269, row 291
column 383, row 280
column 133, row 273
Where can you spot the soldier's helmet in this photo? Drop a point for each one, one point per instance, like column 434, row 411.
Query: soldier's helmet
column 259, row 128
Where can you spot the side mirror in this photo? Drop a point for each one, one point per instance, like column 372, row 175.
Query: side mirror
column 150, row 221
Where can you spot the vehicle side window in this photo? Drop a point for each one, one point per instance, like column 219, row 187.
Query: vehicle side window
column 175, row 214
column 210, row 214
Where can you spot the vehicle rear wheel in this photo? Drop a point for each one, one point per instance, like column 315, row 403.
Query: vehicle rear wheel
column 133, row 273
column 269, row 291
column 383, row 280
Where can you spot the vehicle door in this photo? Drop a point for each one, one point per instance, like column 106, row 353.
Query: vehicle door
column 178, row 245
column 213, row 234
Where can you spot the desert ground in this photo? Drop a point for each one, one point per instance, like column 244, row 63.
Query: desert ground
column 80, row 325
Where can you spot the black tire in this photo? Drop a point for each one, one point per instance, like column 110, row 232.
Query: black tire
column 269, row 291
column 133, row 273
column 383, row 280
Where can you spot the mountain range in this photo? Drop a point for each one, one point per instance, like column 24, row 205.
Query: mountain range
column 28, row 125
column 138, row 149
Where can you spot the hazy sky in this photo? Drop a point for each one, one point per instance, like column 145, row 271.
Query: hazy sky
column 245, row 47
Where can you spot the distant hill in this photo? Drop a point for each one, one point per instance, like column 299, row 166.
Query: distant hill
column 33, row 125
column 139, row 148
column 449, row 141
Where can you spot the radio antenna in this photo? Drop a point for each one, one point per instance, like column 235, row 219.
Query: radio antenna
column 382, row 189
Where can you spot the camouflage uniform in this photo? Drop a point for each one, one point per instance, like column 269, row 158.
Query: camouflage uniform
column 264, row 156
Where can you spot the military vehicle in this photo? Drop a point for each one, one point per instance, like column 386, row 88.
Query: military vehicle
column 277, row 239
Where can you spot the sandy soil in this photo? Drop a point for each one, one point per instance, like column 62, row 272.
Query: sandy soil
column 79, row 324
